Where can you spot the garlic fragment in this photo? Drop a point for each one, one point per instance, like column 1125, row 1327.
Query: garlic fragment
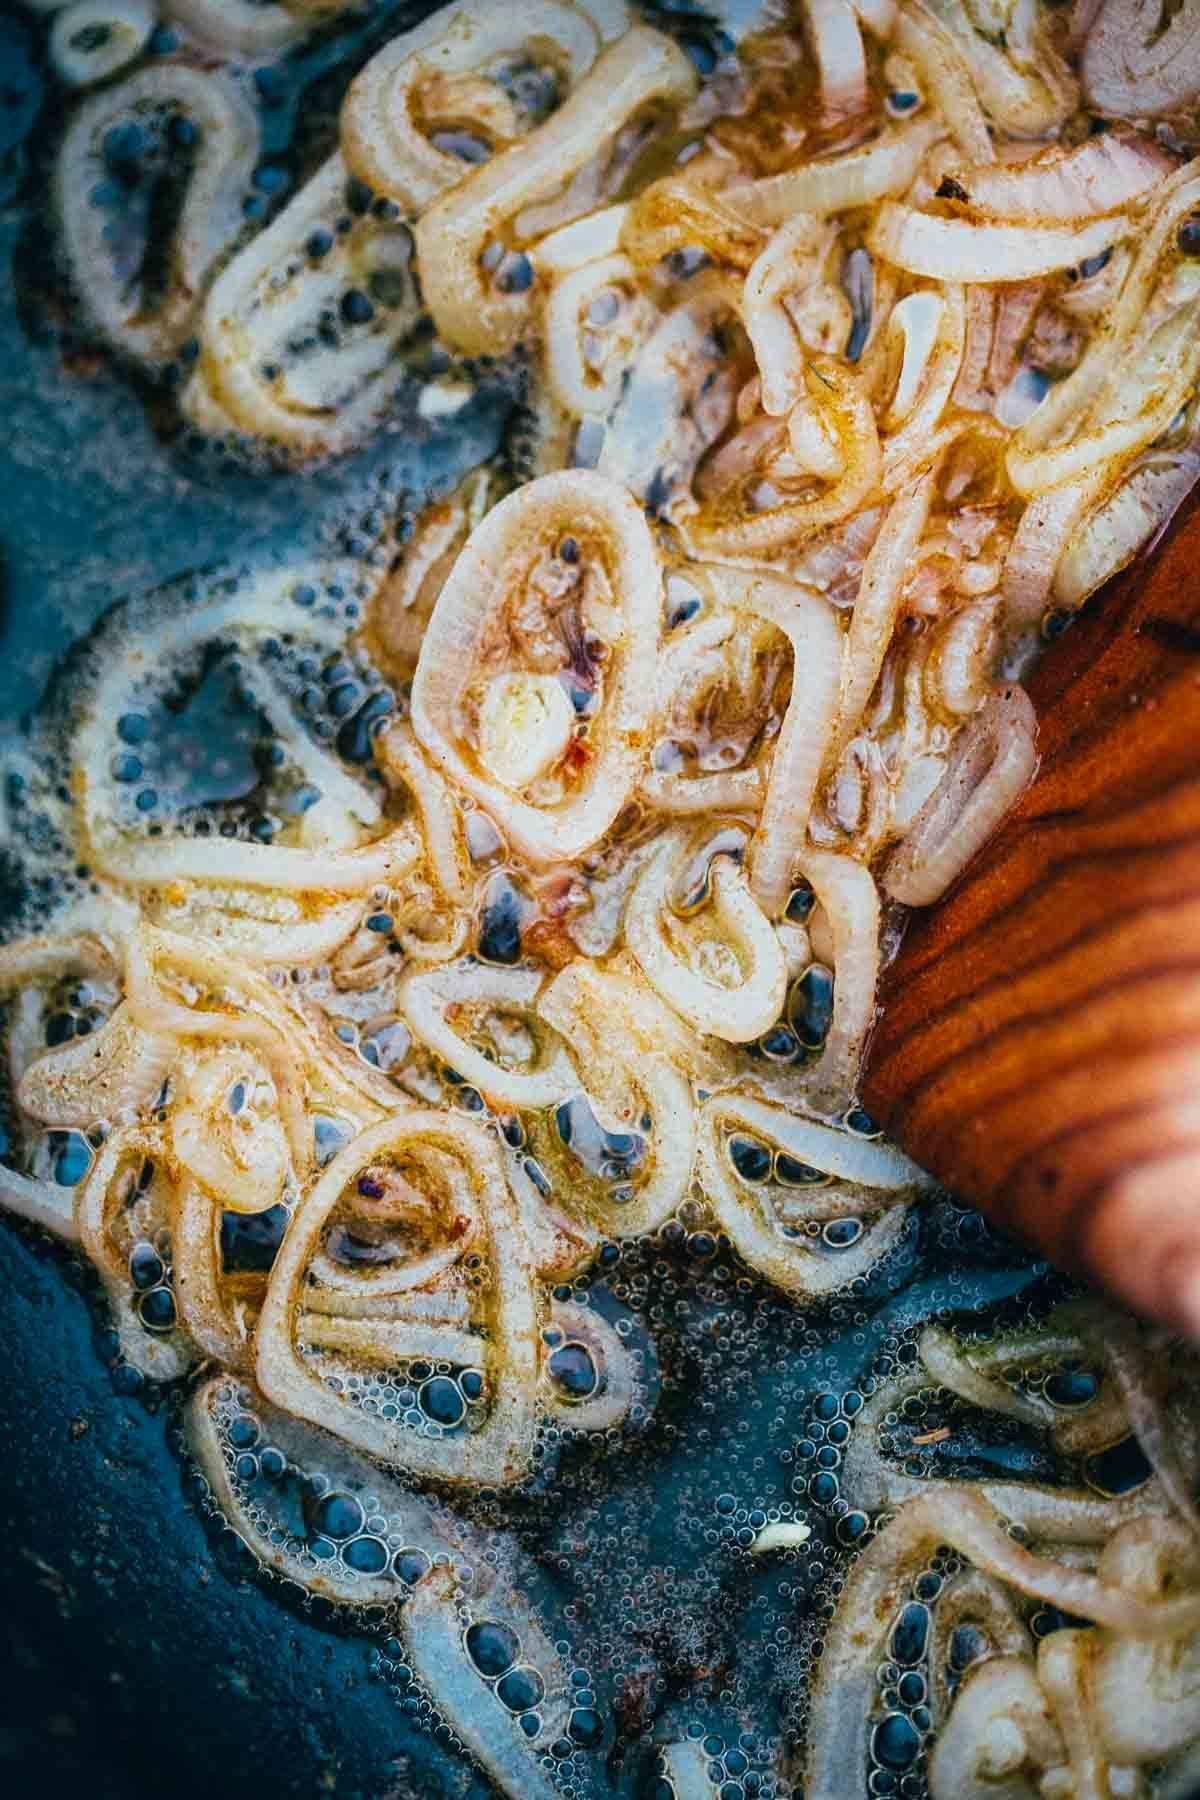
column 525, row 725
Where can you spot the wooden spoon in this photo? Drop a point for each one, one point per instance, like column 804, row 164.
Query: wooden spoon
column 1039, row 1044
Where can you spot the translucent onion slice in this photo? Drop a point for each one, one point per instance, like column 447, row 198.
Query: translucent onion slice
column 499, row 1451
column 1023, row 85
column 1068, row 400
column 945, row 76
column 590, row 384
column 112, row 1072
column 399, row 755
column 736, row 1008
column 127, row 1199
column 1140, row 64
column 429, row 1002
column 887, row 569
column 93, row 39
column 957, row 1515
column 776, row 272
column 682, row 213
column 590, row 239
column 607, row 525
column 434, row 1636
column 257, row 1018
column 944, row 249
column 210, row 219
column 846, row 892
column 1152, row 388
column 1152, row 1558
column 991, row 765
column 723, row 530
column 270, row 928
column 380, row 123
column 471, row 313
column 880, row 170
column 217, row 1311
column 251, row 27
column 746, row 1213
column 1102, row 175
column 1000, row 1724
column 685, row 1766
column 43, row 1203
column 265, row 369
column 264, row 1513
column 1116, row 531
column 808, row 622
column 1047, row 528
column 227, row 1133
column 679, row 397
column 836, row 42
column 640, row 1072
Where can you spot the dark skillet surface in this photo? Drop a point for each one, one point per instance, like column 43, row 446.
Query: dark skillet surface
column 137, row 1657
column 132, row 1662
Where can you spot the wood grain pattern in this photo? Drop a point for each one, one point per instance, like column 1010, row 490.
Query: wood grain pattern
column 1039, row 1043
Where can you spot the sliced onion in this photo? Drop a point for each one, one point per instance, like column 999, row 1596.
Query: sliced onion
column 428, row 1000
column 746, row 1213
column 1069, row 400
column 434, row 1638
column 678, row 213
column 738, row 1011
column 256, row 1022
column 1152, row 388
column 1000, row 1724
column 809, row 624
column 272, row 929
column 1102, row 175
column 957, row 1515
column 112, row 1072
column 775, row 273
column 1109, row 538
column 499, row 1451
column 400, row 756
column 834, row 184
column 239, row 1156
column 471, row 313
column 646, row 1068
column 837, row 48
column 381, row 132
column 991, row 765
column 1134, row 66
column 885, row 572
column 959, row 250
column 722, row 529
column 610, row 527
column 590, row 239
column 114, row 1209
column 93, row 39
column 265, row 1519
column 945, row 76
column 43, row 1203
column 1024, row 86
column 211, row 215
column 577, row 383
column 246, row 27
column 263, row 371
column 848, row 898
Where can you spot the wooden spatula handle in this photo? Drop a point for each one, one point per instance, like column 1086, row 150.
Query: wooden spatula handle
column 1039, row 1045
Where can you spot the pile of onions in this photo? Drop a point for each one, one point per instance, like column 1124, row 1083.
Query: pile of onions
column 567, row 924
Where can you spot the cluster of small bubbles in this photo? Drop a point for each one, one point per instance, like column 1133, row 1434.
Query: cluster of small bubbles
column 151, row 1277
